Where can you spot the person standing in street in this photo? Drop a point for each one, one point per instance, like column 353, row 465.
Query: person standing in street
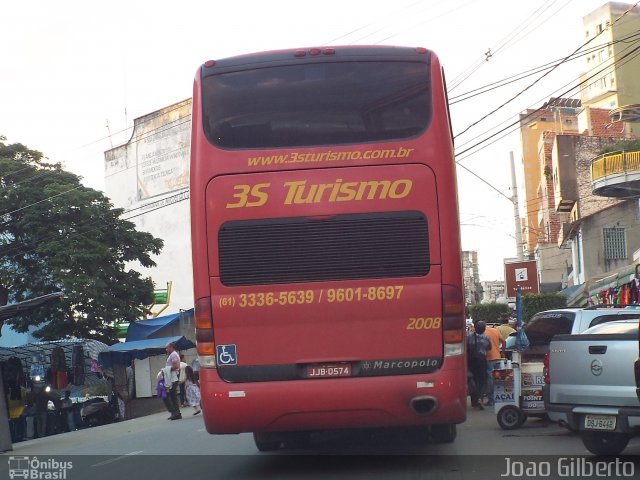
column 494, row 355
column 477, row 346
column 41, row 400
column 182, row 377
column 171, row 372
column 504, row 328
column 193, row 390
column 67, row 410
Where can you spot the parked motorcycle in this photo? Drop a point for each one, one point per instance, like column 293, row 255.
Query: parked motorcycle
column 96, row 411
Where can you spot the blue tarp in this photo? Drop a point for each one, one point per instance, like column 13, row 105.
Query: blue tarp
column 123, row 353
column 141, row 329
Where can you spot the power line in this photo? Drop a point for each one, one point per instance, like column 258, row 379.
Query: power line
column 533, row 112
column 45, row 172
column 431, row 19
column 21, row 252
column 40, row 201
column 526, row 88
column 527, row 73
column 457, row 81
column 547, row 73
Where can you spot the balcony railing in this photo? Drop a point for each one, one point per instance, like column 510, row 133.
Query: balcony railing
column 615, row 163
column 616, row 174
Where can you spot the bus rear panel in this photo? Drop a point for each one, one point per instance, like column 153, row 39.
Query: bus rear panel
column 325, row 240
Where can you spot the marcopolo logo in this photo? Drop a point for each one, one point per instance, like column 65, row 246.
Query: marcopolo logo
column 400, row 366
column 37, row 469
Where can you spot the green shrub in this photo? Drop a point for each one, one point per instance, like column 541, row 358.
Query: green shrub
column 488, row 312
column 622, row 145
column 538, row 302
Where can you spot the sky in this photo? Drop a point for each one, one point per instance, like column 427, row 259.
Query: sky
column 75, row 74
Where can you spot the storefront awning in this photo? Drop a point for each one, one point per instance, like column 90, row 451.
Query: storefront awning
column 614, row 279
column 142, row 329
column 124, row 353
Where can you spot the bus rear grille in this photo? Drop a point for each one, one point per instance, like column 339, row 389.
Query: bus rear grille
column 341, row 247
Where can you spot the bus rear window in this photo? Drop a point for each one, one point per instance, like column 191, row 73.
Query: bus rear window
column 350, row 102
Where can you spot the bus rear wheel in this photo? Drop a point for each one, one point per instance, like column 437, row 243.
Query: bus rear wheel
column 266, row 441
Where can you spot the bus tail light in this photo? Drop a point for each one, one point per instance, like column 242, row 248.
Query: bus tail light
column 205, row 345
column 453, row 320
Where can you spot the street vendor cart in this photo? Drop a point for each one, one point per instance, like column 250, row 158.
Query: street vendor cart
column 517, row 384
column 517, row 391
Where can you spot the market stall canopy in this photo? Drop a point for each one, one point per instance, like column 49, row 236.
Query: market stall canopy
column 14, row 309
column 91, row 349
column 123, row 353
column 141, row 329
column 83, row 365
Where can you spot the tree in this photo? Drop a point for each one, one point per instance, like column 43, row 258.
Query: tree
column 57, row 235
column 488, row 312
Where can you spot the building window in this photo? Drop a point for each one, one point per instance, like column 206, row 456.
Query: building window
column 615, row 243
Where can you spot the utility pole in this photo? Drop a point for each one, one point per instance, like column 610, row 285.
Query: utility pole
column 516, row 210
column 513, row 199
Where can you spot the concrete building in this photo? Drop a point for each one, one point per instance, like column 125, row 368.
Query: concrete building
column 149, row 178
column 492, row 291
column 611, row 75
column 549, row 137
column 538, row 129
column 559, row 115
column 602, row 232
column 471, row 277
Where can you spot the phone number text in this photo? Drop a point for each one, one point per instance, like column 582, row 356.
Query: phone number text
column 306, row 297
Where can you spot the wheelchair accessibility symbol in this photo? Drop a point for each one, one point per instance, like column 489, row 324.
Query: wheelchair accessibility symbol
column 226, row 354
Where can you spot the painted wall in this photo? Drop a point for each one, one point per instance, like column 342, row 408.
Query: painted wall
column 623, row 215
column 149, row 177
column 531, row 132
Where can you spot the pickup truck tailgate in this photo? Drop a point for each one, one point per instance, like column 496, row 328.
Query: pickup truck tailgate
column 593, row 370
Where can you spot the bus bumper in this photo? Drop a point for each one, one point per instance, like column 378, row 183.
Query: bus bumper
column 333, row 403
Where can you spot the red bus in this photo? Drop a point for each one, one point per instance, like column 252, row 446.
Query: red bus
column 326, row 244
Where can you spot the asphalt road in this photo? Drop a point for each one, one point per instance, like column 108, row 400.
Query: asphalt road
column 152, row 445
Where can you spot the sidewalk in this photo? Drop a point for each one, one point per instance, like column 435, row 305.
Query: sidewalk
column 141, row 407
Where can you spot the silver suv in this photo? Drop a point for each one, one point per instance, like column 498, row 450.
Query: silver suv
column 544, row 325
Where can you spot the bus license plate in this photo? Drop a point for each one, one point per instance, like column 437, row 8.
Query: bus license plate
column 600, row 422
column 329, row 370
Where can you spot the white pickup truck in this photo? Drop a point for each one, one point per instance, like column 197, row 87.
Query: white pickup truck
column 591, row 386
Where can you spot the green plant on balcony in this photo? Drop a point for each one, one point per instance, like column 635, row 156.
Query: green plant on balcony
column 622, row 146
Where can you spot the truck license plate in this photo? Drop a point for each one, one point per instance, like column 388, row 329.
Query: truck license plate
column 600, row 422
